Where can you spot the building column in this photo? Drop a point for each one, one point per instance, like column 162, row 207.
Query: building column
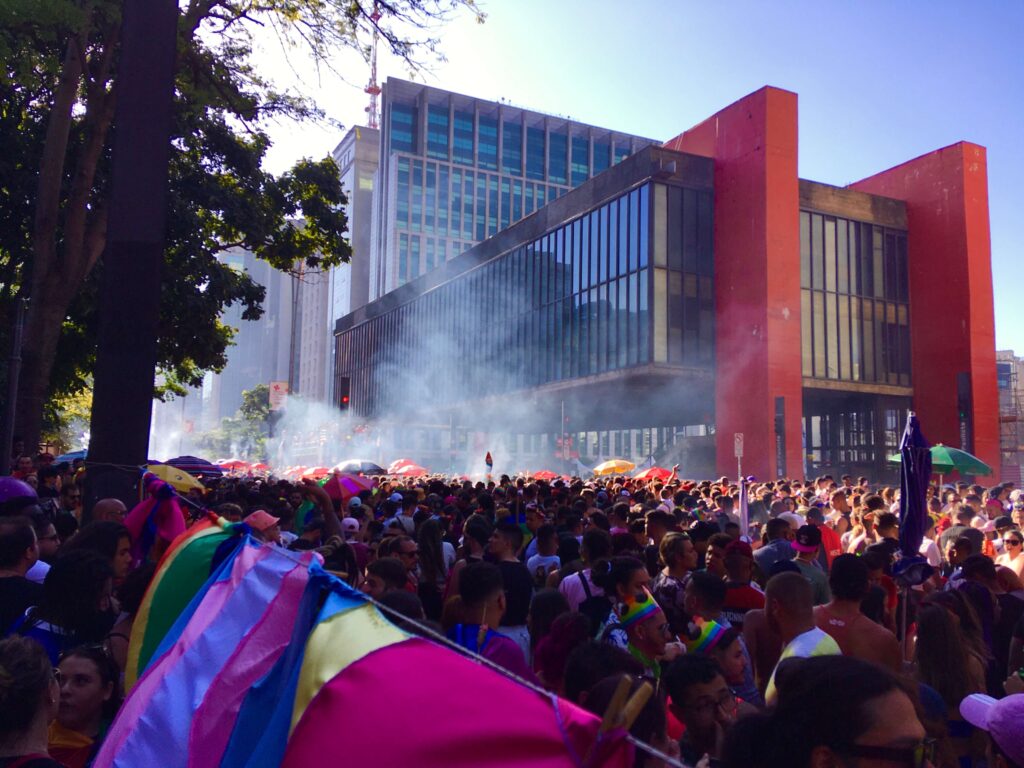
column 757, row 280
column 952, row 320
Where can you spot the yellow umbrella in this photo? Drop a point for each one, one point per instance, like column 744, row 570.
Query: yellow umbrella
column 614, row 467
column 181, row 481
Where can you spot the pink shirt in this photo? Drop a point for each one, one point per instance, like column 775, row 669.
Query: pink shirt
column 572, row 588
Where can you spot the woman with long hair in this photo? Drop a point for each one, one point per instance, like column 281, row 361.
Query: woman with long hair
column 622, row 579
column 475, row 535
column 29, row 692
column 945, row 663
column 436, row 560
column 107, row 538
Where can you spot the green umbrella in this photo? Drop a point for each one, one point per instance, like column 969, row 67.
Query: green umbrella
column 946, row 459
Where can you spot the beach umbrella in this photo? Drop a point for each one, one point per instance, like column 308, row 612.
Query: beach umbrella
column 546, row 474
column 946, row 459
column 315, row 472
column 614, row 467
column 359, row 467
column 411, row 470
column 179, row 479
column 397, row 464
column 344, row 487
column 653, row 473
column 196, row 466
column 233, row 464
column 259, row 466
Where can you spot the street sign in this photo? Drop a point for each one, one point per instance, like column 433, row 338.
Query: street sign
column 737, row 443
column 278, row 394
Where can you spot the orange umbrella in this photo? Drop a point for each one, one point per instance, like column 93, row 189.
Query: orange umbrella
column 653, row 473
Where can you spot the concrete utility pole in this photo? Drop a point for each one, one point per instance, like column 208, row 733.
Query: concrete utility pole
column 130, row 295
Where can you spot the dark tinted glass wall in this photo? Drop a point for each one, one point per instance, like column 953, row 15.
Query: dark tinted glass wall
column 855, row 311
column 626, row 284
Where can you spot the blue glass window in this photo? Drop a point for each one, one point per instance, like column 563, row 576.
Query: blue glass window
column 580, row 159
column 456, row 201
column 492, row 207
column 437, row 132
column 512, row 148
column 481, row 206
column 403, row 127
column 602, row 156
column 517, row 200
column 487, row 143
column 506, row 203
column 462, row 150
column 430, row 206
column 558, row 156
column 442, row 199
column 622, row 151
column 535, row 154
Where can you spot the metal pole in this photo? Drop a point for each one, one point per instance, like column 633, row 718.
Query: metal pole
column 13, row 374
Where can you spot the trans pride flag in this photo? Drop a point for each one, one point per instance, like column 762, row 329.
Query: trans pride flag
column 275, row 662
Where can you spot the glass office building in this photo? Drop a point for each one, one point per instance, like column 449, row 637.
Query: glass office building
column 455, row 170
column 609, row 287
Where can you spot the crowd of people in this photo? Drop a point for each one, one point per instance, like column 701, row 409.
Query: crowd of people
column 779, row 632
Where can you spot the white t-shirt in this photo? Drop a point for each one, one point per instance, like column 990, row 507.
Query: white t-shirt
column 540, row 566
column 930, row 550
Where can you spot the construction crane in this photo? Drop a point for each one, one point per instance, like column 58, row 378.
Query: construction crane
column 372, row 88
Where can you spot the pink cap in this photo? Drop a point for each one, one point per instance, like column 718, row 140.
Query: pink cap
column 1001, row 718
column 261, row 520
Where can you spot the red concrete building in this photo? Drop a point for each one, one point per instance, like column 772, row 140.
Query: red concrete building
column 936, row 350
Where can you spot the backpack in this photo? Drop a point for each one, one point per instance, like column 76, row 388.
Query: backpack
column 595, row 607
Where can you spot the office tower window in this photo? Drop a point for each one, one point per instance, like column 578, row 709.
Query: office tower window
column 437, row 131
column 602, row 156
column 403, row 127
column 580, row 160
column 462, row 150
column 535, row 154
column 558, row 157
column 512, row 148
column 487, row 143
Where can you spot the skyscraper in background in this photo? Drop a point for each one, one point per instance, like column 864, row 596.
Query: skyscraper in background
column 454, row 170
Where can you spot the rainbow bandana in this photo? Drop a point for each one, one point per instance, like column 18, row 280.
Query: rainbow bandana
column 710, row 632
column 637, row 608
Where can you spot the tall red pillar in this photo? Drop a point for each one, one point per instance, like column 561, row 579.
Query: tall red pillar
column 757, row 279
column 952, row 322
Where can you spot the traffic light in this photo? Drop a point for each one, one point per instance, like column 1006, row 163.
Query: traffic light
column 342, row 395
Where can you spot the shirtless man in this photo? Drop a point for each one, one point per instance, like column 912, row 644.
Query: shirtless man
column 856, row 634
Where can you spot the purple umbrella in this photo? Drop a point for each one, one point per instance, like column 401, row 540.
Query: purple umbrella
column 13, row 488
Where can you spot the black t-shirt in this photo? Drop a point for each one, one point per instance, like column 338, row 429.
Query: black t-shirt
column 17, row 595
column 518, row 592
column 1011, row 615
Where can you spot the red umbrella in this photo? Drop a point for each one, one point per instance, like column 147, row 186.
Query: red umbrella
column 411, row 470
column 653, row 473
column 233, row 464
column 396, row 466
column 259, row 466
column 315, row 472
column 344, row 487
column 546, row 474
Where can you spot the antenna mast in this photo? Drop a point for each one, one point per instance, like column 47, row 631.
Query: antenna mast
column 372, row 88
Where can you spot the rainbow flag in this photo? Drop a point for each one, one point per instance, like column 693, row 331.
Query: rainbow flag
column 180, row 575
column 275, row 662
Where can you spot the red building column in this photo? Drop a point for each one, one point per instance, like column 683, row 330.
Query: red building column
column 952, row 324
column 757, row 279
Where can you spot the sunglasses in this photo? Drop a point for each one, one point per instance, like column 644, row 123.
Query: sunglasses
column 910, row 757
column 1012, row 542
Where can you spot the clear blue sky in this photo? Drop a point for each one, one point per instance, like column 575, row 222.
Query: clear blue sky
column 879, row 82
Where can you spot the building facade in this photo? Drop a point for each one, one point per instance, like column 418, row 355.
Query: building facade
column 694, row 293
column 1010, row 379
column 454, row 170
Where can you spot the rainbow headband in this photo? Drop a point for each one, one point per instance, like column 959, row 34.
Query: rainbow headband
column 710, row 633
column 634, row 610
